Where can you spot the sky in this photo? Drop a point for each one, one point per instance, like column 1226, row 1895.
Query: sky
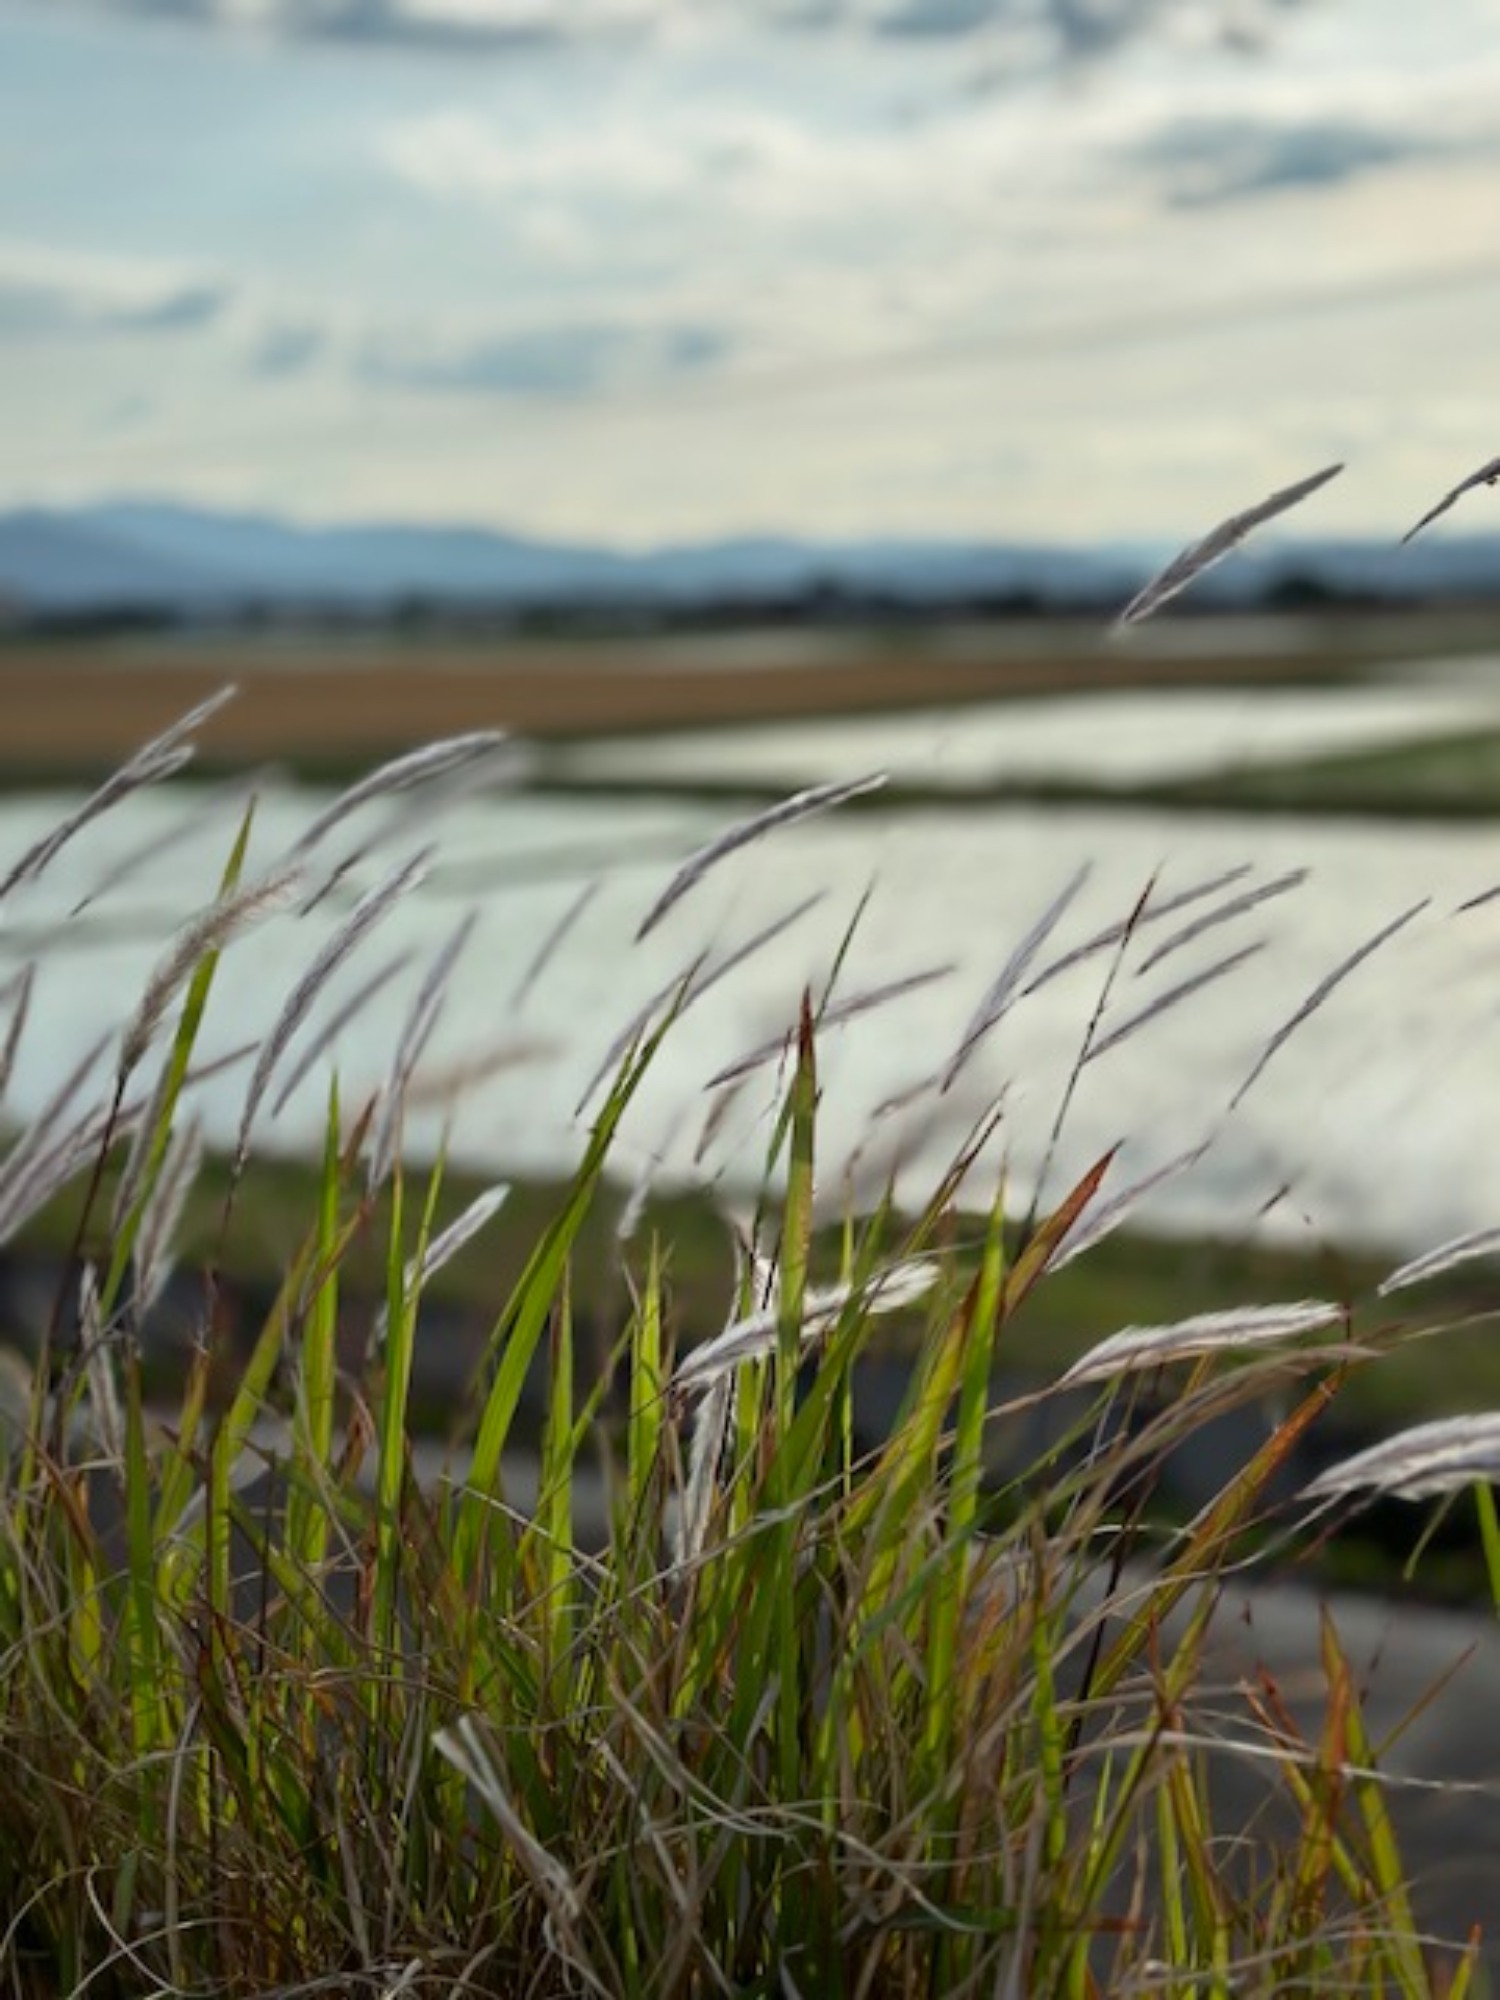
column 639, row 271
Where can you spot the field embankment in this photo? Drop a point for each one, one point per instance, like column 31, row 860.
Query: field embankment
column 321, row 700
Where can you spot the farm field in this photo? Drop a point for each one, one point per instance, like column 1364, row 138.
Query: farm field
column 326, row 702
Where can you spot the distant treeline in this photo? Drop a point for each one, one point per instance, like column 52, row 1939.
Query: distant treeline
column 830, row 604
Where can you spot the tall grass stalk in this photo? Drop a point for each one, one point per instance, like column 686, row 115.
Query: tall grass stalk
column 734, row 1707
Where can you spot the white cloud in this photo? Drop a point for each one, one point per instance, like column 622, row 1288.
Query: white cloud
column 809, row 278
column 804, row 236
column 864, row 235
column 551, row 359
column 512, row 16
column 46, row 293
column 1048, row 30
column 459, row 153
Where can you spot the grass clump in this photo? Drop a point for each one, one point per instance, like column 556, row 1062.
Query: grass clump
column 728, row 1707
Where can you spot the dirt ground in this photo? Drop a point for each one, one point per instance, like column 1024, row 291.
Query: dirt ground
column 74, row 706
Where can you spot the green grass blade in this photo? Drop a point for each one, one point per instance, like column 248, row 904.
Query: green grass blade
column 1400, row 1945
column 190, row 1020
column 1489, row 1536
column 147, row 1689
column 981, row 1325
column 796, row 1244
column 648, row 1383
column 521, row 1325
column 312, row 1452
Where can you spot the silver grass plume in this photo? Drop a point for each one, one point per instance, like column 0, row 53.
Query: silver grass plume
column 334, row 1026
column 1216, row 544
column 1161, row 1003
column 997, row 1000
column 26, row 1184
column 374, row 905
column 29, row 1183
column 239, row 792
column 211, row 930
column 443, row 788
column 1322, row 991
column 161, row 758
column 1148, row 1347
column 421, row 1019
column 163, row 1212
column 416, row 767
column 1447, row 1257
column 801, row 806
column 1097, row 1222
column 832, row 1017
column 442, row 1249
column 1223, row 913
column 21, row 988
column 687, row 987
column 99, row 1371
column 445, row 1083
column 713, row 1420
column 724, row 1102
column 1487, row 474
column 1148, row 911
column 1419, row 1463
column 634, row 1207
column 755, row 1336
column 142, row 1140
column 552, row 943
column 141, row 1120
column 35, row 1141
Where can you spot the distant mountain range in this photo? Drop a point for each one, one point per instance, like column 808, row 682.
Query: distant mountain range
column 147, row 557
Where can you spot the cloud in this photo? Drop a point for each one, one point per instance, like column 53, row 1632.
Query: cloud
column 751, row 168
column 175, row 312
column 1065, row 29
column 817, row 240
column 451, row 26
column 1060, row 30
column 619, row 158
column 199, row 13
column 567, row 360
column 44, row 296
column 1207, row 161
column 448, row 28
column 127, row 413
column 1086, row 28
column 939, row 17
column 287, row 349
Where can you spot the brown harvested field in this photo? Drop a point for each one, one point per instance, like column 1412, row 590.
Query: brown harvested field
column 77, row 706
